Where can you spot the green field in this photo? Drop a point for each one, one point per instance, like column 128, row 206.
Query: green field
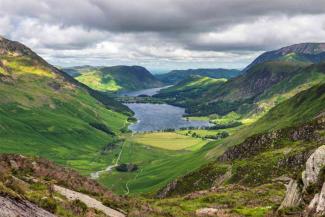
column 157, row 167
column 159, row 162
column 169, row 141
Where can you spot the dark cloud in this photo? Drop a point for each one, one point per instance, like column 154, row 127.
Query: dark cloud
column 168, row 29
column 157, row 15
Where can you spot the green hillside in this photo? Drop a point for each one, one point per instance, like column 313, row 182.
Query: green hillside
column 298, row 109
column 115, row 78
column 183, row 93
column 175, row 76
column 259, row 89
column 248, row 177
column 47, row 113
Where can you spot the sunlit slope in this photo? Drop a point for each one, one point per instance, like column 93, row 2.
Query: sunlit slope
column 255, row 92
column 189, row 91
column 301, row 108
column 44, row 112
column 176, row 76
column 115, row 78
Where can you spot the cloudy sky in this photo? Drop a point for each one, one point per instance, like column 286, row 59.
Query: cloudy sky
column 160, row 34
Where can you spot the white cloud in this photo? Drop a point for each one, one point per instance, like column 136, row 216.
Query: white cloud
column 161, row 33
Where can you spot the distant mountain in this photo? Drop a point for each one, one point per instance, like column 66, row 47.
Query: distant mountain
column 76, row 70
column 114, row 78
column 176, row 76
column 259, row 89
column 304, row 53
column 182, row 93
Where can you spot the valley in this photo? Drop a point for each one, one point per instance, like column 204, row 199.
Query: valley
column 200, row 142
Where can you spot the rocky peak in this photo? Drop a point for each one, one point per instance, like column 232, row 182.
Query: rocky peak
column 308, row 53
column 303, row 48
column 14, row 48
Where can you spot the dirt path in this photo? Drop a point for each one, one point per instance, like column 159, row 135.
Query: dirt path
column 127, row 184
column 96, row 175
column 89, row 201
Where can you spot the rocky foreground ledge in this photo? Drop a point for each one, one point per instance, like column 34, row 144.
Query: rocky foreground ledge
column 308, row 191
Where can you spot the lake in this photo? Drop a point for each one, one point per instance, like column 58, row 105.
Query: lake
column 148, row 92
column 154, row 117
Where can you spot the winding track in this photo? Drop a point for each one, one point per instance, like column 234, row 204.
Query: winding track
column 96, row 175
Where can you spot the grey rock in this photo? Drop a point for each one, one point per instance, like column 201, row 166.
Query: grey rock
column 320, row 210
column 314, row 165
column 312, row 205
column 22, row 208
column 293, row 196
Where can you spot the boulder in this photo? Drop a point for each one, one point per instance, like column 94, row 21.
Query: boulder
column 320, row 210
column 314, row 165
column 312, row 205
column 293, row 196
column 207, row 212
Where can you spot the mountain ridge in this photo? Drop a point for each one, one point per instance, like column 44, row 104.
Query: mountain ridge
column 114, row 78
column 54, row 115
column 307, row 53
column 176, row 76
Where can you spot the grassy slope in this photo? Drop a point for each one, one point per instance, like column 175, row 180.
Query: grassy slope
column 177, row 76
column 157, row 167
column 193, row 83
column 44, row 114
column 162, row 168
column 259, row 89
column 191, row 88
column 251, row 188
column 299, row 109
column 116, row 78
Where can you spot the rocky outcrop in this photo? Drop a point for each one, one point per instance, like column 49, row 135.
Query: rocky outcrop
column 37, row 167
column 207, row 212
column 89, row 201
column 320, row 210
column 312, row 52
column 262, row 142
column 22, row 208
column 164, row 192
column 314, row 165
column 293, row 195
column 14, row 48
column 208, row 176
column 299, row 194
